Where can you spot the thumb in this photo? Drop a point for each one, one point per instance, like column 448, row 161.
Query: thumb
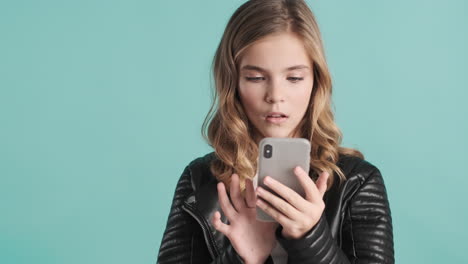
column 219, row 225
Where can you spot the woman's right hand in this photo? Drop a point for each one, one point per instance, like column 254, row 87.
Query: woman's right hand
column 253, row 240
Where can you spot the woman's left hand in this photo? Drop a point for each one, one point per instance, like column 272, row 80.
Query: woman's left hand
column 297, row 215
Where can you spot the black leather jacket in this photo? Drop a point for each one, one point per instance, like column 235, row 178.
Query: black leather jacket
column 356, row 226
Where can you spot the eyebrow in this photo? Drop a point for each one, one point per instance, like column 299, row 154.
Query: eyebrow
column 256, row 68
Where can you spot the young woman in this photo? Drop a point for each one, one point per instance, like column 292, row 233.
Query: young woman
column 272, row 80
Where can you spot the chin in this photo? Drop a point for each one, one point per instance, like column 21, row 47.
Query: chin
column 277, row 134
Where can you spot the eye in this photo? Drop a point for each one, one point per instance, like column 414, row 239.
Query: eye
column 254, row 79
column 295, row 79
column 258, row 79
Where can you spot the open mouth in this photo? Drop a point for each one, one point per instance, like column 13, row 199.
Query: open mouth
column 276, row 118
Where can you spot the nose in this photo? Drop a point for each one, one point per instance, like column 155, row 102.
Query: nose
column 274, row 93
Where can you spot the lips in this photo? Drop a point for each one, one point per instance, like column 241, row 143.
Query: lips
column 275, row 114
column 276, row 118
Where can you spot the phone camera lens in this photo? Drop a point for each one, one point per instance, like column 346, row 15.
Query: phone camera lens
column 268, row 151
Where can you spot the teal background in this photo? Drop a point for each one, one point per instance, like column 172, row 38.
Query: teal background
column 101, row 104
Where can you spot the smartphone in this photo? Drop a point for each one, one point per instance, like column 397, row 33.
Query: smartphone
column 277, row 158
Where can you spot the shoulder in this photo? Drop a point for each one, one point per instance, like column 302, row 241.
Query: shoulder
column 199, row 170
column 203, row 160
column 363, row 180
column 356, row 168
column 201, row 163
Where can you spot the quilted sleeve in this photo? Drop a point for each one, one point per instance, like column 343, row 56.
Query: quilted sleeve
column 369, row 225
column 176, row 241
column 182, row 241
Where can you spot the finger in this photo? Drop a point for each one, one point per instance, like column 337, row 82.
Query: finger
column 224, row 202
column 311, row 191
column 219, row 225
column 275, row 214
column 288, row 194
column 279, row 204
column 250, row 195
column 236, row 197
column 322, row 183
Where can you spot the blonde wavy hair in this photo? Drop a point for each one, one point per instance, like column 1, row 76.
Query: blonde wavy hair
column 226, row 127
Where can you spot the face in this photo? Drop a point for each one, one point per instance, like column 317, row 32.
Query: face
column 275, row 76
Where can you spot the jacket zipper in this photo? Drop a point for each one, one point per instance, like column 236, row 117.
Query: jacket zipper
column 204, row 228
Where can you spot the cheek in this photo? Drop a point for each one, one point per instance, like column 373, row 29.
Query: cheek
column 305, row 96
column 249, row 98
column 302, row 97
